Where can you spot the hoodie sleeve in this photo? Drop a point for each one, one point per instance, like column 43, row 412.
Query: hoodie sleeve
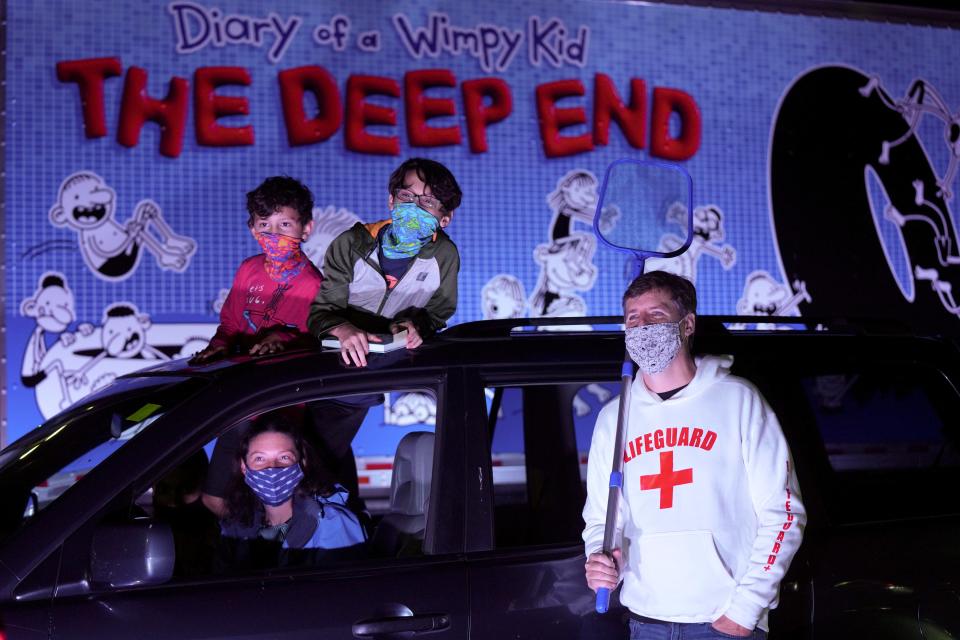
column 598, row 478
column 326, row 311
column 780, row 513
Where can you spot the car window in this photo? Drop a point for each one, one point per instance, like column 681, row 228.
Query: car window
column 370, row 454
column 39, row 468
column 881, row 418
column 890, row 437
column 540, row 439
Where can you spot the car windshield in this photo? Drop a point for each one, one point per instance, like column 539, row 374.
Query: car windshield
column 39, row 467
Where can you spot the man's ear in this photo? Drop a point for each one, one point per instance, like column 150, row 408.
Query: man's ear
column 307, row 230
column 253, row 232
column 689, row 325
column 243, row 468
column 390, row 202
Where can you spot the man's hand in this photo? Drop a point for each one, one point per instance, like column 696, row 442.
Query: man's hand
column 602, row 571
column 413, row 337
column 212, row 352
column 274, row 342
column 723, row 624
column 354, row 343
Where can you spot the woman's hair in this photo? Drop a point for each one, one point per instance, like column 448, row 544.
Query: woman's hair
column 241, row 502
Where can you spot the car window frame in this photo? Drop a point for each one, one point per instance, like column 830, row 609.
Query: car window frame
column 515, row 375
column 213, row 421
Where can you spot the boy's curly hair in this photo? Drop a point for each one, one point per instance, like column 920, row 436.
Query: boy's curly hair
column 442, row 184
column 276, row 192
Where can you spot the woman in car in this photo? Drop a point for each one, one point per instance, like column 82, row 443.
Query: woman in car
column 280, row 508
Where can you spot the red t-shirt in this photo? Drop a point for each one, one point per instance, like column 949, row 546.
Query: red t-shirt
column 257, row 303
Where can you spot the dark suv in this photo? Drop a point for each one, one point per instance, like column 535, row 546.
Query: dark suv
column 493, row 548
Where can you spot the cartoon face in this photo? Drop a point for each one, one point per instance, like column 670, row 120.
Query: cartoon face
column 706, row 224
column 567, row 262
column 581, row 194
column 499, row 303
column 124, row 335
column 762, row 296
column 85, row 202
column 53, row 308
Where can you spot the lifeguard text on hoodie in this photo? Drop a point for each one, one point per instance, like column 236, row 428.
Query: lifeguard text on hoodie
column 711, row 513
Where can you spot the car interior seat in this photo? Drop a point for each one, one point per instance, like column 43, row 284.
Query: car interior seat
column 400, row 532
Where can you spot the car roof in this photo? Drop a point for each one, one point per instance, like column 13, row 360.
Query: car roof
column 593, row 341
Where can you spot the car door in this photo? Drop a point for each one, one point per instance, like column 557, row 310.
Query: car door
column 885, row 563
column 373, row 596
column 872, row 428
column 527, row 577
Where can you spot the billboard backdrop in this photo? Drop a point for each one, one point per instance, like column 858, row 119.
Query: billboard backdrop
column 823, row 153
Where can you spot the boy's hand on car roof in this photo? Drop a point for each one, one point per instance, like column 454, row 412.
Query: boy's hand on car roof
column 272, row 343
column 212, row 352
column 354, row 343
column 413, row 337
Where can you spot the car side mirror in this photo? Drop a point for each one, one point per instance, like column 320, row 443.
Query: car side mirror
column 33, row 505
column 127, row 554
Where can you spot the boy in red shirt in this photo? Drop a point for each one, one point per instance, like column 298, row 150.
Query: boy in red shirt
column 266, row 309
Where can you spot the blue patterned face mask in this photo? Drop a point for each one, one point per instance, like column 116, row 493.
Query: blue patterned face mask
column 410, row 229
column 274, row 485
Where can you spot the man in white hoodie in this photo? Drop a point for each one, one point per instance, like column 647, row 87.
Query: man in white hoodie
column 711, row 513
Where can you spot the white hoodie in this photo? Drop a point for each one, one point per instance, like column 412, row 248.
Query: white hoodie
column 711, row 513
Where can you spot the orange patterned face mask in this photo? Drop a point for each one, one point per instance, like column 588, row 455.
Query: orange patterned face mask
column 285, row 260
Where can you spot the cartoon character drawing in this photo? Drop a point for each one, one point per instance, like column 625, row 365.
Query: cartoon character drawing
column 581, row 407
column 123, row 335
column 53, row 307
column 503, row 296
column 329, row 222
column 708, row 235
column 409, row 408
column 764, row 296
column 946, row 252
column 922, row 98
column 72, row 368
column 566, row 266
column 574, row 198
column 86, row 205
column 609, row 217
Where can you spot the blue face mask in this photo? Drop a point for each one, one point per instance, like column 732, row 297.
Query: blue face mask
column 274, row 485
column 410, row 229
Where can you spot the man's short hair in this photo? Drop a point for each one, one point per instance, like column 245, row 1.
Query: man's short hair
column 442, row 184
column 680, row 290
column 276, row 192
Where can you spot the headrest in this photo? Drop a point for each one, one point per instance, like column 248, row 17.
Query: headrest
column 412, row 471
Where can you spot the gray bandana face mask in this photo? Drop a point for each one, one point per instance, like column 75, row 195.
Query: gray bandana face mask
column 653, row 346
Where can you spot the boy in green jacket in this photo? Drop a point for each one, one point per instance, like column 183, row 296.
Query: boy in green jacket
column 396, row 274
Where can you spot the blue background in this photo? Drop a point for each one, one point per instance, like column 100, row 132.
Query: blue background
column 736, row 64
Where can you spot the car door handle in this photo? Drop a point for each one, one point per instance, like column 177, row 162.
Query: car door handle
column 400, row 624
